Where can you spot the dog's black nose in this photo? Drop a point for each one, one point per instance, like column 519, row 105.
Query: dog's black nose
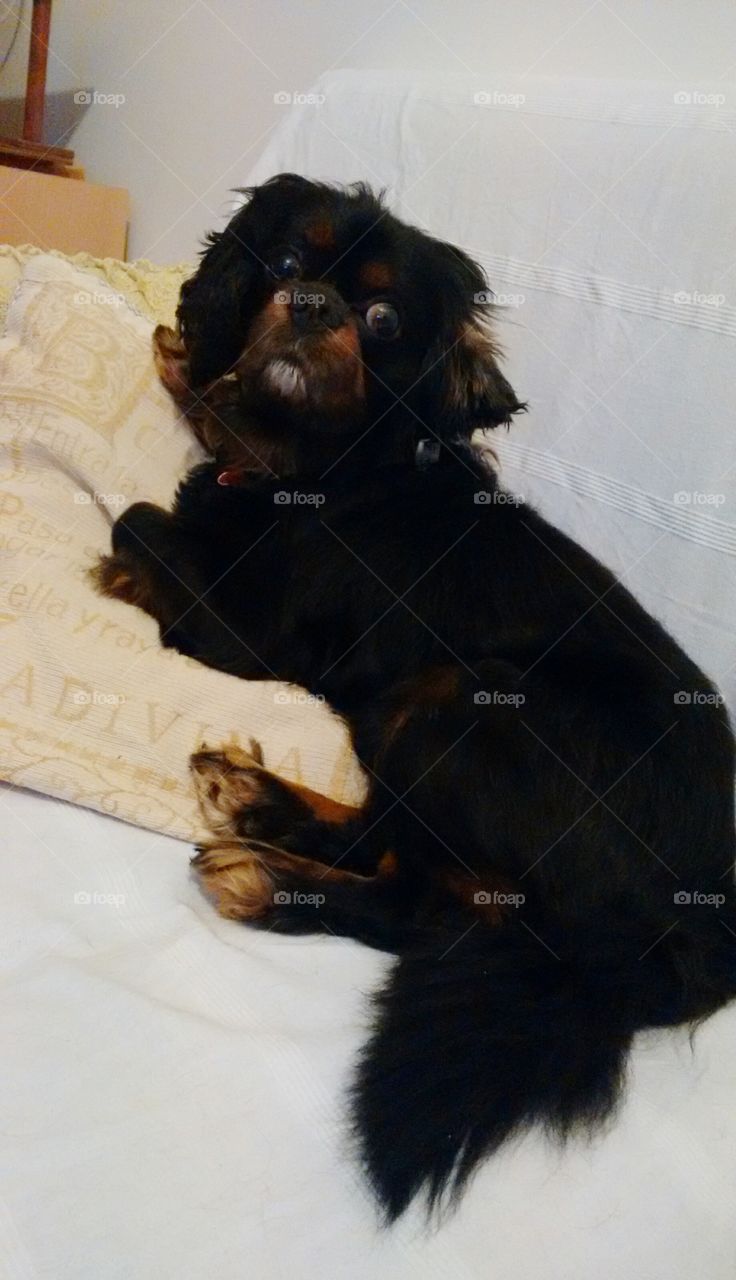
column 316, row 307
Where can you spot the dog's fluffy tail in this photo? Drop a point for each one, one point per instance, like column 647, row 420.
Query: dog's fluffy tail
column 479, row 1039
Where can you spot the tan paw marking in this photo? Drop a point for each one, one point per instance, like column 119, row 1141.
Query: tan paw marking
column 172, row 362
column 226, row 782
column 113, row 576
column 235, row 878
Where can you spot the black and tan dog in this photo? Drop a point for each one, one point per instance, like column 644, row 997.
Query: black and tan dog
column 548, row 837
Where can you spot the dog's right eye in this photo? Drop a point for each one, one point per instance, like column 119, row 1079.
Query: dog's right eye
column 286, row 265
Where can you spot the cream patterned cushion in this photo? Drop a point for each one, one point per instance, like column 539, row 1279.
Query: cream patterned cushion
column 91, row 708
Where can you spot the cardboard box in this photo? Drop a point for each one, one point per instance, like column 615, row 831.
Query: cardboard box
column 63, row 213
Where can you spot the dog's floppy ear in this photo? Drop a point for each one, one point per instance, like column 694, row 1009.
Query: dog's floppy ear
column 213, row 307
column 461, row 385
column 465, row 383
column 211, row 313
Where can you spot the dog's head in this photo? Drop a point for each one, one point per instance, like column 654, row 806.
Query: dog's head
column 322, row 314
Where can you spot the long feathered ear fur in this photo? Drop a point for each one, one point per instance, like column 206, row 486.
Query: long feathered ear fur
column 461, row 384
column 211, row 306
column 214, row 302
column 472, row 393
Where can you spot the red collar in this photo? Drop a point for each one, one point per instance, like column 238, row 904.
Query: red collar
column 232, row 476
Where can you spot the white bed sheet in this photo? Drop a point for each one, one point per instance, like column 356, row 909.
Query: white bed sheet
column 171, row 1081
column 170, row 1087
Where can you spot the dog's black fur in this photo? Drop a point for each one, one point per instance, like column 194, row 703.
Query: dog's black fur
column 516, row 711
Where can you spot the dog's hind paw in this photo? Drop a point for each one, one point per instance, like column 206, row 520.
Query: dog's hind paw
column 235, row 878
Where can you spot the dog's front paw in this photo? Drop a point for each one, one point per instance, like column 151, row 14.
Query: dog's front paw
column 239, row 797
column 117, row 576
column 228, row 785
column 172, row 363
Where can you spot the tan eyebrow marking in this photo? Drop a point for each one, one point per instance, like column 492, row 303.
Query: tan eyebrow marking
column 376, row 275
column 321, row 235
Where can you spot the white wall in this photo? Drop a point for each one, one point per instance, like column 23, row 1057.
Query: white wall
column 199, row 76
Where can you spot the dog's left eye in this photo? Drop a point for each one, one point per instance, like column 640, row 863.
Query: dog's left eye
column 383, row 320
column 286, row 265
